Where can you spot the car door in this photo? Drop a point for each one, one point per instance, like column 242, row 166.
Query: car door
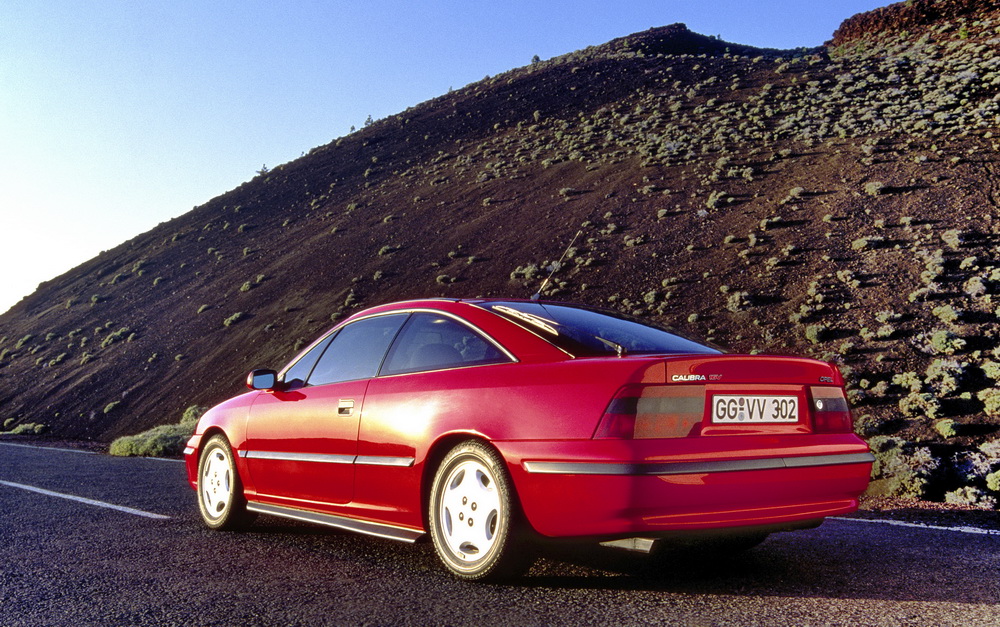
column 302, row 440
column 437, row 367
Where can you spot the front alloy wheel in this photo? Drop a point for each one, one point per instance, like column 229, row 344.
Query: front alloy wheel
column 471, row 515
column 220, row 492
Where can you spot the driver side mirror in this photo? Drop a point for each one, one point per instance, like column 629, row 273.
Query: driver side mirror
column 262, row 380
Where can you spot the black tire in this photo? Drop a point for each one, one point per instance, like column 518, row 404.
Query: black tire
column 473, row 518
column 220, row 490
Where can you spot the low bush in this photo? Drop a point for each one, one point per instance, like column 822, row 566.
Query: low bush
column 900, row 469
column 161, row 441
column 991, row 401
column 919, row 404
column 969, row 495
column 29, row 428
column 233, row 319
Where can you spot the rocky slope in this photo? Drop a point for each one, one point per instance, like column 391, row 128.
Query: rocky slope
column 839, row 202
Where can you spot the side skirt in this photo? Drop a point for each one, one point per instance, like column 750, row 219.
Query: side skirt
column 340, row 522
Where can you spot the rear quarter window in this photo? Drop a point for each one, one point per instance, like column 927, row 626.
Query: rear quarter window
column 435, row 342
column 586, row 332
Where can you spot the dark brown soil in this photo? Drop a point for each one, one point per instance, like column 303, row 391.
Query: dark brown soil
column 909, row 18
column 827, row 202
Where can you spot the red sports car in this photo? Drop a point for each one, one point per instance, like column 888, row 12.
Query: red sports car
column 488, row 424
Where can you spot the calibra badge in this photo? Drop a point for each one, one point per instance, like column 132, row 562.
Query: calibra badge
column 688, row 377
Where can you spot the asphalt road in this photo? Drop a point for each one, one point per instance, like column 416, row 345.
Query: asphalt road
column 72, row 562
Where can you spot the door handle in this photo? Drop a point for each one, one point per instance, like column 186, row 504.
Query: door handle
column 345, row 407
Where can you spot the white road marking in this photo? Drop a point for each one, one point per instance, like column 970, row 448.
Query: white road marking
column 80, row 499
column 73, row 450
column 48, row 448
column 900, row 523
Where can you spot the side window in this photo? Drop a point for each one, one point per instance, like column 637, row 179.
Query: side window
column 434, row 342
column 357, row 350
column 297, row 373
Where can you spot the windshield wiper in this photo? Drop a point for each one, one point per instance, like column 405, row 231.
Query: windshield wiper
column 618, row 348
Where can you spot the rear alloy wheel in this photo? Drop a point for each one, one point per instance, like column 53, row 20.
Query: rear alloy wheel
column 472, row 515
column 220, row 491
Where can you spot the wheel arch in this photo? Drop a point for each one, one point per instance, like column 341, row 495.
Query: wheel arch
column 241, row 468
column 209, row 433
column 432, row 461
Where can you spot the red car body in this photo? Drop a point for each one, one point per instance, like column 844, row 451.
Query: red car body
column 604, row 446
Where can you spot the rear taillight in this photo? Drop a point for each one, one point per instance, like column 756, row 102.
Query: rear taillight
column 831, row 413
column 653, row 411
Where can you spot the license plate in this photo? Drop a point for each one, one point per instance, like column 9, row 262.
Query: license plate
column 736, row 409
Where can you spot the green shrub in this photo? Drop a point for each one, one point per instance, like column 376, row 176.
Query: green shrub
column 991, row 450
column 233, row 319
column 969, row 495
column 885, row 332
column 110, row 407
column 111, row 338
column 161, row 441
column 872, row 241
column 991, row 401
column 920, row 404
column 975, row 287
column 738, row 301
column 900, row 469
column 874, row 188
column 946, row 427
column 816, row 333
column 993, row 481
column 716, row 199
column 192, row 414
column 29, row 428
column 953, row 238
column 942, row 341
column 527, row 272
column 946, row 375
column 946, row 314
column 991, row 369
column 9, row 424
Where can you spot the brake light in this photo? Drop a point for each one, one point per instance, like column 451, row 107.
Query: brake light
column 653, row 411
column 831, row 413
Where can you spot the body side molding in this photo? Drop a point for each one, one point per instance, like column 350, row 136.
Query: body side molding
column 686, row 468
column 340, row 522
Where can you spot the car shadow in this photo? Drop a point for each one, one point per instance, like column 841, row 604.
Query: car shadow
column 846, row 559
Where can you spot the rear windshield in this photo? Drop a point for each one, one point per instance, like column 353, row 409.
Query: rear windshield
column 586, row 332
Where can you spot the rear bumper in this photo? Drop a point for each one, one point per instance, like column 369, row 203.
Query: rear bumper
column 628, row 488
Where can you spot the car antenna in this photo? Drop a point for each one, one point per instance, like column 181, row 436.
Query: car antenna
column 555, row 266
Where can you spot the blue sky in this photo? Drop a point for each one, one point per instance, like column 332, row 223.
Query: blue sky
column 118, row 115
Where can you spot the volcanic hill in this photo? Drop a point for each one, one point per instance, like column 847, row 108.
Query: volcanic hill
column 838, row 201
